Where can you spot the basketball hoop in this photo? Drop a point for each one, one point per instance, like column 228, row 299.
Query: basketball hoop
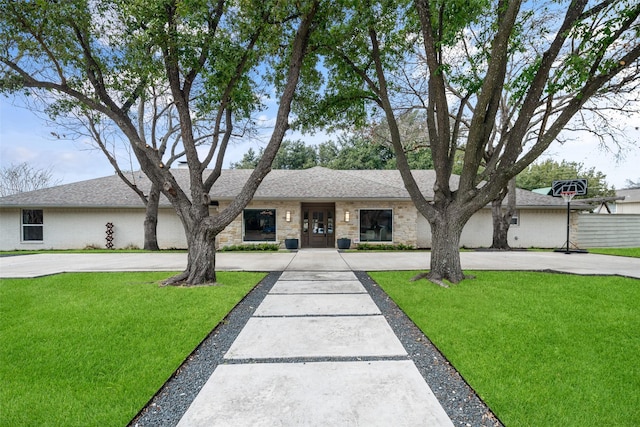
column 567, row 189
column 567, row 196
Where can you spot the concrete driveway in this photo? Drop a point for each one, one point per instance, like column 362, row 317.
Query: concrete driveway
column 317, row 260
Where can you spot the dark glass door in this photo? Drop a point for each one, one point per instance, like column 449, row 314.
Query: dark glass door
column 318, row 226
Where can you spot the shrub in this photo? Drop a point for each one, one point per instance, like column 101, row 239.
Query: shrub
column 251, row 247
column 383, row 247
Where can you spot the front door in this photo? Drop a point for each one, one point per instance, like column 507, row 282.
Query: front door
column 318, row 225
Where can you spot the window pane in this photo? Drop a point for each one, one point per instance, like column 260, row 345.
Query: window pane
column 259, row 225
column 376, row 225
column 515, row 219
column 318, row 222
column 32, row 232
column 32, row 220
column 32, row 216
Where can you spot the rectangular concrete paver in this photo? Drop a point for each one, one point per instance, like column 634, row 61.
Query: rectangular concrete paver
column 376, row 393
column 318, row 287
column 318, row 260
column 289, row 337
column 317, row 305
column 317, row 275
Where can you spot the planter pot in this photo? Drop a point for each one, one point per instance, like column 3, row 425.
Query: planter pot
column 344, row 243
column 291, row 243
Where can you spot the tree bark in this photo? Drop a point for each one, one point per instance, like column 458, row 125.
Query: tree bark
column 446, row 229
column 201, row 259
column 502, row 218
column 501, row 225
column 151, row 219
column 445, row 250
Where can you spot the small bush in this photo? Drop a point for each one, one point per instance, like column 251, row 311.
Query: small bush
column 92, row 247
column 383, row 247
column 251, row 247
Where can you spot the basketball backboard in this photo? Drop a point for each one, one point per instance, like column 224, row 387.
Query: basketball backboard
column 578, row 186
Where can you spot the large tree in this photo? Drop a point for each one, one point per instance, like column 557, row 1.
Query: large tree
column 103, row 56
column 404, row 56
column 632, row 184
column 21, row 177
column 158, row 126
column 291, row 155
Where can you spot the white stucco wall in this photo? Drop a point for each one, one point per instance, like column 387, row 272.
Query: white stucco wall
column 9, row 228
column 79, row 228
column 537, row 228
column 628, row 208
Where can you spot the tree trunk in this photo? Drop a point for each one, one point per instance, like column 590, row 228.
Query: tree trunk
column 445, row 250
column 501, row 225
column 151, row 219
column 201, row 261
column 502, row 219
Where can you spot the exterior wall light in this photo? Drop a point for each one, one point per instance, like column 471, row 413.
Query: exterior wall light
column 287, row 216
column 347, row 216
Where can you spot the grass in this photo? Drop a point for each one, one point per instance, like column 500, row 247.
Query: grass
column 90, row 349
column 87, row 251
column 541, row 349
column 630, row 252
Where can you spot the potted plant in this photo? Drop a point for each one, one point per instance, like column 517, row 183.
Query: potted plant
column 344, row 243
column 291, row 243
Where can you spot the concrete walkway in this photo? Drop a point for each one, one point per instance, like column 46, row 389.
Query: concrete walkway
column 316, row 352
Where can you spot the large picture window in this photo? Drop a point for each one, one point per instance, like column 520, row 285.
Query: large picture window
column 32, row 225
column 376, row 225
column 259, row 225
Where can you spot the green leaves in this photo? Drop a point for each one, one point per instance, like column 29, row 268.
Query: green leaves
column 542, row 174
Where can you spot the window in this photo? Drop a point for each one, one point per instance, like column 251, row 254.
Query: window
column 376, row 225
column 515, row 219
column 259, row 225
column 32, row 225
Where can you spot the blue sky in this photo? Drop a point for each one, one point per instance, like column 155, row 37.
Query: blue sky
column 24, row 137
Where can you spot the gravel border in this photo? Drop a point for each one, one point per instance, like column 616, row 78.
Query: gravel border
column 170, row 403
column 458, row 399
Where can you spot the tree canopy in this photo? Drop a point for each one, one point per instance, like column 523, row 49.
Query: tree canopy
column 210, row 57
column 542, row 174
column 497, row 79
column 356, row 151
column 291, row 155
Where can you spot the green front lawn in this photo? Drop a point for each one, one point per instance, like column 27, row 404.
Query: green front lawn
column 90, row 349
column 632, row 252
column 540, row 349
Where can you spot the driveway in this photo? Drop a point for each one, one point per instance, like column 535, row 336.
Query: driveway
column 43, row 264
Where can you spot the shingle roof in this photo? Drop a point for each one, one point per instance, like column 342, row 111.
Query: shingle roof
column 314, row 184
column 631, row 195
column 109, row 191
